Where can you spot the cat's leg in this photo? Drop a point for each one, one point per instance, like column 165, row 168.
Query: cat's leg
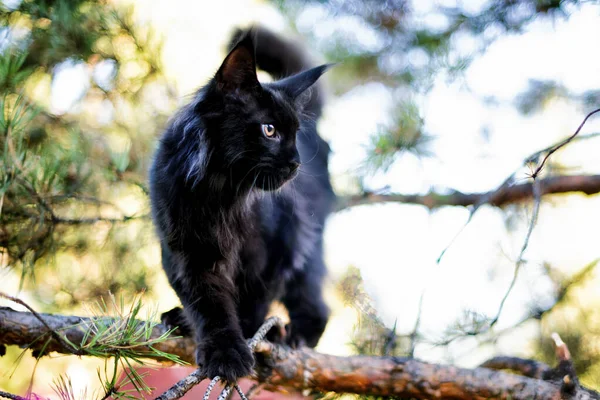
column 252, row 311
column 208, row 299
column 304, row 301
column 174, row 318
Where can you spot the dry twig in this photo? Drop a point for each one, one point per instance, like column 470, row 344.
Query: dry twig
column 506, row 193
column 187, row 383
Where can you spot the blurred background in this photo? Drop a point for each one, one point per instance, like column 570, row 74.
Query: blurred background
column 429, row 97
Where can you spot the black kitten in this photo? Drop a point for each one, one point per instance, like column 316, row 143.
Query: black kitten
column 236, row 234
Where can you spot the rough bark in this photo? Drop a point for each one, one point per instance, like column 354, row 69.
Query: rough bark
column 25, row 330
column 588, row 184
column 301, row 369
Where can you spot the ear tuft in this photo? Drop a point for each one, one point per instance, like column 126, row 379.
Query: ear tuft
column 238, row 71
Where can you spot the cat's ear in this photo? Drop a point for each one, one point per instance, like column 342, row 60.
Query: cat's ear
column 238, row 71
column 295, row 85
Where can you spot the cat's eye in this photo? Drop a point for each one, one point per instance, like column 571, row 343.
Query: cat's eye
column 268, row 130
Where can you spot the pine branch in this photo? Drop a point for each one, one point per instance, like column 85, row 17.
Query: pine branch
column 24, row 329
column 505, row 195
column 306, row 369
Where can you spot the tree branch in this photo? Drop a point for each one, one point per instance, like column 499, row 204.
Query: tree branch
column 553, row 149
column 530, row 368
column 183, row 386
column 588, row 184
column 393, row 376
column 301, row 369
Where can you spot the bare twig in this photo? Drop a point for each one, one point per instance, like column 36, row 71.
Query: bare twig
column 183, row 386
column 241, row 392
column 558, row 146
column 210, row 387
column 224, row 393
column 529, row 368
column 415, row 332
column 518, row 264
column 508, row 193
column 520, row 261
column 187, row 383
column 254, row 389
column 263, row 330
column 536, row 313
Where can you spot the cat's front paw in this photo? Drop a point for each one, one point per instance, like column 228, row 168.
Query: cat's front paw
column 175, row 318
column 229, row 359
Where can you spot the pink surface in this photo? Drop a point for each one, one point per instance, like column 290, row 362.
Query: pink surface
column 163, row 378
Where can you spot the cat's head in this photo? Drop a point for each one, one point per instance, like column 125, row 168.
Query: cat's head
column 254, row 125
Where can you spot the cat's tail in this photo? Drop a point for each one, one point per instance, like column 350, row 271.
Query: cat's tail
column 281, row 57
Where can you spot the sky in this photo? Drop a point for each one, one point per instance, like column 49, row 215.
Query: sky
column 396, row 246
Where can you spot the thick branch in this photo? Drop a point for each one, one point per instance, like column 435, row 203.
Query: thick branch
column 588, row 184
column 385, row 376
column 25, row 330
column 307, row 369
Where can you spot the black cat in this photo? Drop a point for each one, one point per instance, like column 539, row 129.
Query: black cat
column 240, row 191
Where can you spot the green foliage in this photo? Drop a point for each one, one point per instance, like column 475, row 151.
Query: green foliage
column 541, row 92
column 393, row 23
column 404, row 134
column 538, row 93
column 126, row 340
column 121, row 335
column 64, row 175
column 405, row 53
column 12, row 73
column 130, row 337
column 63, row 387
column 73, row 200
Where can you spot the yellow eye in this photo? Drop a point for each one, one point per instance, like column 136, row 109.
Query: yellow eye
column 268, row 130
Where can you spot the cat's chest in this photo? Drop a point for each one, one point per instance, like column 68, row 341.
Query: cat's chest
column 231, row 227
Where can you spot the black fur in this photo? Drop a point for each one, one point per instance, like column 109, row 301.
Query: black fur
column 240, row 225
